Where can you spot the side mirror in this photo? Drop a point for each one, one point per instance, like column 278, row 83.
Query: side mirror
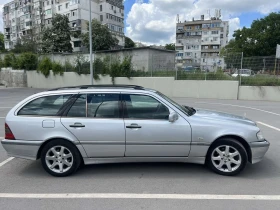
column 173, row 117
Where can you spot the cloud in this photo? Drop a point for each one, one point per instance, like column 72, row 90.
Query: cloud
column 155, row 21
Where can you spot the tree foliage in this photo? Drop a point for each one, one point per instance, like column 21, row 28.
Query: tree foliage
column 170, row 46
column 260, row 39
column 102, row 38
column 129, row 43
column 2, row 45
column 57, row 37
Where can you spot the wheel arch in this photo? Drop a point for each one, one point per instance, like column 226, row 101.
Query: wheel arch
column 237, row 138
column 53, row 139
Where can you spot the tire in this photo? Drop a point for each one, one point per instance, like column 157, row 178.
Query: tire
column 227, row 157
column 60, row 158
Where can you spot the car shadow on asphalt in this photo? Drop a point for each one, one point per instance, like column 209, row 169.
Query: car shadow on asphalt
column 263, row 170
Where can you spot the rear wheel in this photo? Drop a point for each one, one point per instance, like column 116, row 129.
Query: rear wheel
column 60, row 158
column 227, row 157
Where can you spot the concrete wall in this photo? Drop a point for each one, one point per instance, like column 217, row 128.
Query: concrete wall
column 166, row 85
column 13, row 78
column 259, row 93
column 205, row 89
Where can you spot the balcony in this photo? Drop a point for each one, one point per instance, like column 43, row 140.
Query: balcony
column 210, row 50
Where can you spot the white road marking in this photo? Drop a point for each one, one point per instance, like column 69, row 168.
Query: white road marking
column 142, row 196
column 247, row 107
column 6, row 161
column 270, row 126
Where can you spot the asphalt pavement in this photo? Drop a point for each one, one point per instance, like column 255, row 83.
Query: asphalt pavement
column 118, row 183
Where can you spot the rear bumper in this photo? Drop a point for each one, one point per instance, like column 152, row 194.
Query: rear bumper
column 258, row 150
column 22, row 149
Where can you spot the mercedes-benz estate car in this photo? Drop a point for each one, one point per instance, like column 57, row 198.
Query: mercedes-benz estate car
column 67, row 127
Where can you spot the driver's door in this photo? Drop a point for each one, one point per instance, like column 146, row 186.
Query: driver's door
column 148, row 130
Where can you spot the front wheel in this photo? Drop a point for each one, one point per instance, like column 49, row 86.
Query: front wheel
column 60, row 158
column 227, row 157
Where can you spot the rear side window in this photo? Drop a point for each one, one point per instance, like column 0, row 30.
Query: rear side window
column 99, row 105
column 103, row 105
column 44, row 106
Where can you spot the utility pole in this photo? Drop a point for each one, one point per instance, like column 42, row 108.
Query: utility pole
column 90, row 44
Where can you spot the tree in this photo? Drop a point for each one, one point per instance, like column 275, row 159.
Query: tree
column 129, row 43
column 170, row 46
column 57, row 38
column 102, row 39
column 2, row 45
column 260, row 39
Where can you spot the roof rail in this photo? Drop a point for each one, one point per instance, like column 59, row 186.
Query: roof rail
column 136, row 87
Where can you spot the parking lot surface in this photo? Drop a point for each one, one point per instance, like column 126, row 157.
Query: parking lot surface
column 122, row 185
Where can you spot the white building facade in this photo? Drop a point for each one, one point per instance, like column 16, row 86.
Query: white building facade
column 198, row 43
column 22, row 17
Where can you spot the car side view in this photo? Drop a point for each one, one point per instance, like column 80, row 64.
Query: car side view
column 92, row 124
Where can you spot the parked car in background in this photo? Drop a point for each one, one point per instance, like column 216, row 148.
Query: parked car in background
column 67, row 127
column 244, row 73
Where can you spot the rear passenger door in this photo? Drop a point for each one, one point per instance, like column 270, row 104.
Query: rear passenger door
column 96, row 120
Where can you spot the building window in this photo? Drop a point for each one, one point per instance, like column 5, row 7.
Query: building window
column 215, row 47
column 101, row 18
column 205, row 32
column 77, row 44
column 112, row 27
column 59, row 7
column 73, row 14
column 189, row 27
column 215, row 39
column 206, row 39
column 48, row 12
column 222, row 36
column 214, row 32
column 112, row 7
column 66, row 5
column 197, row 27
column 100, row 8
column 180, row 28
column 107, row 16
column 120, row 29
column 68, row 15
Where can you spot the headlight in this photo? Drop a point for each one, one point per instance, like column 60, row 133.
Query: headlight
column 260, row 136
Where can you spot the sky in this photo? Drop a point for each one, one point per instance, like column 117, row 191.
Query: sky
column 154, row 21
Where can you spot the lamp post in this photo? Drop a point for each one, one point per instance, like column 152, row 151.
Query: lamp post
column 90, row 43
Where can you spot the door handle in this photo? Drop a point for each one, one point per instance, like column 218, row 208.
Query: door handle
column 77, row 125
column 133, row 126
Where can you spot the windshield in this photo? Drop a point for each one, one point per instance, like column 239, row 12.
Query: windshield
column 185, row 109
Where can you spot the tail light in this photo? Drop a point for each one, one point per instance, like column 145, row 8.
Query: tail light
column 8, row 133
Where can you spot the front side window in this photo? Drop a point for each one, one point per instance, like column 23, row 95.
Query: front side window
column 144, row 107
column 44, row 106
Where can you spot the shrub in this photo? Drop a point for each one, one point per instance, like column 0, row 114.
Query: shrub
column 15, row 62
column 57, row 68
column 8, row 60
column 28, row 61
column 1, row 63
column 69, row 67
column 45, row 66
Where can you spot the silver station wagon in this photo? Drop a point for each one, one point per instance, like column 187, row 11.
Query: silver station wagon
column 70, row 126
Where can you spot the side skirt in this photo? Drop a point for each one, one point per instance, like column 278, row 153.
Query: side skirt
column 197, row 160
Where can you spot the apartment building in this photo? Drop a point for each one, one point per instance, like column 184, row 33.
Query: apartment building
column 23, row 17
column 198, row 43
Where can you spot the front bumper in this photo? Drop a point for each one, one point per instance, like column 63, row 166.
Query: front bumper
column 258, row 150
column 22, row 149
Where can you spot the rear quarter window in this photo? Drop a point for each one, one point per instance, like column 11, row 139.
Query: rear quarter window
column 44, row 106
